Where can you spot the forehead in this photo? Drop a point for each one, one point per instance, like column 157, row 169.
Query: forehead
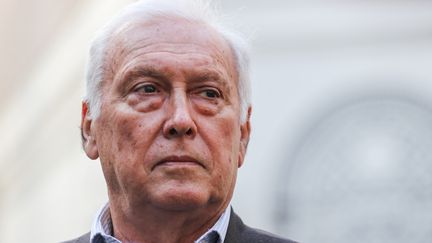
column 169, row 35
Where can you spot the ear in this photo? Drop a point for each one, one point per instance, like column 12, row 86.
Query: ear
column 87, row 133
column 245, row 130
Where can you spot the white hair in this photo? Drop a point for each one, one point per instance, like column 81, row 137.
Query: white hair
column 194, row 10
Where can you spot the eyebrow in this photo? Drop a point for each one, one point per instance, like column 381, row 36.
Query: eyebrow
column 152, row 72
column 143, row 72
column 206, row 76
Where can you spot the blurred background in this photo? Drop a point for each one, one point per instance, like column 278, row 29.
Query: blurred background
column 342, row 119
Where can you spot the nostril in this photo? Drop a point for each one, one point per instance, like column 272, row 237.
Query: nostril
column 173, row 131
column 189, row 132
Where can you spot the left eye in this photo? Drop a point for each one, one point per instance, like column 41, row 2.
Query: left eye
column 210, row 93
column 147, row 88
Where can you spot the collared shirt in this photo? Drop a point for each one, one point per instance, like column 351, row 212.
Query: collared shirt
column 101, row 231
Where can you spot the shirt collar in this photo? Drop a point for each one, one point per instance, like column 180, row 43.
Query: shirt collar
column 220, row 227
column 101, row 230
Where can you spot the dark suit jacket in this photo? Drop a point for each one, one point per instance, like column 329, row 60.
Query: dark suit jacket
column 237, row 233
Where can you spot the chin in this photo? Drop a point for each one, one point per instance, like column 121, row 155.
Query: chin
column 183, row 198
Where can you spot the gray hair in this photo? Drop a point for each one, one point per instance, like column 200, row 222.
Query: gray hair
column 195, row 10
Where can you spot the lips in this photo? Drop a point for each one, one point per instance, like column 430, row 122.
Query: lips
column 178, row 161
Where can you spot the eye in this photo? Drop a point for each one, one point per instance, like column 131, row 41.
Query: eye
column 147, row 88
column 210, row 93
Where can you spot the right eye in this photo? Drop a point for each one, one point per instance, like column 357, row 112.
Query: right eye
column 146, row 88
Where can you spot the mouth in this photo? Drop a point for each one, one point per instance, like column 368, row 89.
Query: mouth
column 178, row 161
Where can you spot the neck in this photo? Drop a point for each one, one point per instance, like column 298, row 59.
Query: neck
column 148, row 224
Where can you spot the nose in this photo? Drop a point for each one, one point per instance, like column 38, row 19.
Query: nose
column 180, row 122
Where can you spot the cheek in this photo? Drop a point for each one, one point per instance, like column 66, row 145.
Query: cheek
column 229, row 129
column 117, row 133
column 135, row 135
column 123, row 145
column 222, row 135
column 126, row 136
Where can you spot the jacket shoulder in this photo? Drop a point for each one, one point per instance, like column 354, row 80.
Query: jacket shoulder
column 257, row 235
column 82, row 239
column 239, row 232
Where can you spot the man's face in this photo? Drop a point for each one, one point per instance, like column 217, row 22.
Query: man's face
column 169, row 133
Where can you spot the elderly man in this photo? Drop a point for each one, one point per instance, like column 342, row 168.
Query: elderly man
column 167, row 113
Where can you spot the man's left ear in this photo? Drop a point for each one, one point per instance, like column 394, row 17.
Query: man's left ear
column 245, row 130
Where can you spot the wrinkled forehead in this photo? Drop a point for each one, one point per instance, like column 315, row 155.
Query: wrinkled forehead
column 161, row 32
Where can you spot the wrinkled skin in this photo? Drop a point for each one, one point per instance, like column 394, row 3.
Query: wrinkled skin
column 169, row 135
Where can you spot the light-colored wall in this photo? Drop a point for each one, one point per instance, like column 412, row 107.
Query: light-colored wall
column 309, row 59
